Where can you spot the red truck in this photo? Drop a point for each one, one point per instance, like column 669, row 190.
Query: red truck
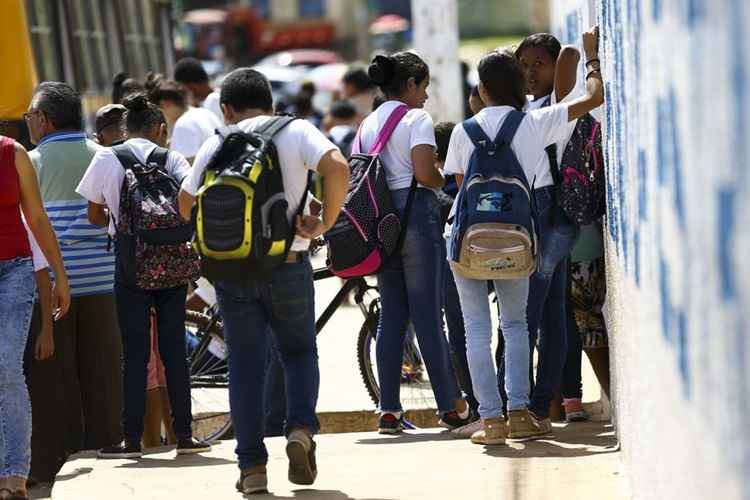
column 244, row 36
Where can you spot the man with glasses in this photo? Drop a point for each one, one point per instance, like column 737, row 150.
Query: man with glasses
column 86, row 365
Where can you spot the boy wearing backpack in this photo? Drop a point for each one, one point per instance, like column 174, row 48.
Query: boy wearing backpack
column 502, row 149
column 551, row 72
column 265, row 287
column 133, row 188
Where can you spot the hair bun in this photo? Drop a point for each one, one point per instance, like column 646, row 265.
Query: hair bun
column 382, row 70
column 136, row 102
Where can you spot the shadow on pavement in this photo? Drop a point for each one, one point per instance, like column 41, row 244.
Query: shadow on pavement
column 175, row 463
column 313, row 494
column 78, row 472
column 406, row 437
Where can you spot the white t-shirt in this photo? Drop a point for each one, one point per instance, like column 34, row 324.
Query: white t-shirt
column 538, row 129
column 300, row 147
column 578, row 91
column 213, row 104
column 414, row 129
column 192, row 129
column 102, row 181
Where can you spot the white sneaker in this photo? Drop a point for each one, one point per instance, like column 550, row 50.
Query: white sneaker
column 467, row 430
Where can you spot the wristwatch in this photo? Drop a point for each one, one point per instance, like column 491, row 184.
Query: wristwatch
column 593, row 65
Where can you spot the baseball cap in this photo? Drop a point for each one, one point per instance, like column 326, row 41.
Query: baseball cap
column 111, row 114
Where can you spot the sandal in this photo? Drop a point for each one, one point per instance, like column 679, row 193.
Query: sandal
column 14, row 495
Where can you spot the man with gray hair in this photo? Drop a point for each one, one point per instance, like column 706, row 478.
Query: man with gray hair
column 89, row 348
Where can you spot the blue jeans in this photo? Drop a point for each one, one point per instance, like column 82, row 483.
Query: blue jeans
column 454, row 321
column 512, row 296
column 274, row 393
column 410, row 286
column 17, row 288
column 285, row 303
column 547, row 298
column 134, row 316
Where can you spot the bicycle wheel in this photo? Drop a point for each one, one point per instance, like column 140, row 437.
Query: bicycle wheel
column 209, row 377
column 416, row 389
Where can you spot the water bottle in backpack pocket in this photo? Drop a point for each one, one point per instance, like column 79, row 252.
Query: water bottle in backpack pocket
column 368, row 230
column 153, row 250
column 494, row 234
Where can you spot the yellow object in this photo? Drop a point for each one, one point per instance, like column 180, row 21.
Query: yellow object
column 243, row 250
column 18, row 82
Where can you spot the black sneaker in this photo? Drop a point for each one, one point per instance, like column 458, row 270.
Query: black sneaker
column 122, row 450
column 451, row 420
column 389, row 424
column 189, row 446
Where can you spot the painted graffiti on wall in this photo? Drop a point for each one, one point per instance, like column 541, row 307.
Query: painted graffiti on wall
column 677, row 146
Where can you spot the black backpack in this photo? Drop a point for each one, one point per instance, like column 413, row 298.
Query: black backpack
column 242, row 231
column 153, row 250
column 580, row 182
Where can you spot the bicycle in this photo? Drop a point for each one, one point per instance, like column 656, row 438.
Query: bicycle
column 207, row 356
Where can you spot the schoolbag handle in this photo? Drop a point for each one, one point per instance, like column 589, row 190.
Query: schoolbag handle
column 385, row 133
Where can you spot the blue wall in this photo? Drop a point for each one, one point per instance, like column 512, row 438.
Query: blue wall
column 678, row 273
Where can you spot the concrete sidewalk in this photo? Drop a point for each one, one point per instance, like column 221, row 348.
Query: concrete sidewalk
column 580, row 463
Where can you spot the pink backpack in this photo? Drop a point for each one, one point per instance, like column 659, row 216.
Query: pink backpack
column 368, row 229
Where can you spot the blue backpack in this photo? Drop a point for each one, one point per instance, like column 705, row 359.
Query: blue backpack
column 494, row 235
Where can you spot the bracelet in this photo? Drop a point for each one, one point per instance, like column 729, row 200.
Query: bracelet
column 596, row 59
column 592, row 72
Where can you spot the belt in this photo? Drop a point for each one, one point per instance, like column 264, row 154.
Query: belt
column 296, row 257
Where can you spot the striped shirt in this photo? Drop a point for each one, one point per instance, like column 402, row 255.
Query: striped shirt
column 61, row 159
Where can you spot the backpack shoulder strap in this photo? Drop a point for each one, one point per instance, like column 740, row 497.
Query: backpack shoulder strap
column 159, row 156
column 125, row 156
column 476, row 134
column 274, row 126
column 390, row 125
column 228, row 130
column 509, row 127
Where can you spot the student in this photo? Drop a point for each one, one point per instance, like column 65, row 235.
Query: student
column 19, row 194
column 502, row 86
column 341, row 126
column 550, row 72
column 359, row 90
column 411, row 282
column 285, row 302
column 454, row 319
column 88, row 345
column 189, row 127
column 101, row 186
column 190, row 72
column 109, row 126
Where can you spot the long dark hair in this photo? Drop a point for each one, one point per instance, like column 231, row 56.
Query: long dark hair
column 392, row 73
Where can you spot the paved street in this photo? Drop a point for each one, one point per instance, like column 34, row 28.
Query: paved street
column 581, row 464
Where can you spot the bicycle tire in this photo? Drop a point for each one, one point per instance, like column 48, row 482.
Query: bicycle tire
column 208, row 426
column 367, row 334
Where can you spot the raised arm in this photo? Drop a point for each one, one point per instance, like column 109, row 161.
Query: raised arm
column 594, row 85
column 36, row 218
column 566, row 72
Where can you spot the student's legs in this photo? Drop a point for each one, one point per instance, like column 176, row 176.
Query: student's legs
column 476, row 312
column 422, row 255
column 133, row 310
column 512, row 296
column 571, row 380
column 290, row 302
column 170, row 325
column 389, row 345
column 457, row 337
column 274, row 393
column 246, row 326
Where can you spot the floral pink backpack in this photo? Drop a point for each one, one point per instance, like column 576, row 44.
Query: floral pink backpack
column 152, row 244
